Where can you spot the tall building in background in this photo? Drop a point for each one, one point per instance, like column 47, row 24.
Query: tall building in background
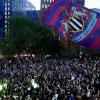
column 2, row 18
column 5, row 12
column 7, row 9
column 24, row 7
column 32, row 12
column 82, row 2
column 46, row 3
column 14, row 7
column 30, row 6
column 19, row 6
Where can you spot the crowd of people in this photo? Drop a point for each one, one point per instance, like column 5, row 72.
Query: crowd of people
column 56, row 79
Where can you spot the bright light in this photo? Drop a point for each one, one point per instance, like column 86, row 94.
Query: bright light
column 33, row 55
column 1, row 87
column 34, row 84
column 72, row 78
column 29, row 88
column 36, row 3
column 5, row 85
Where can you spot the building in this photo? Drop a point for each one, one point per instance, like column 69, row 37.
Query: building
column 82, row 2
column 24, row 7
column 19, row 7
column 1, row 18
column 5, row 12
column 7, row 9
column 30, row 6
column 46, row 3
column 13, row 7
column 34, row 14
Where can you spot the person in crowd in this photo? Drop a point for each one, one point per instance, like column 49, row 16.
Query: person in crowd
column 54, row 79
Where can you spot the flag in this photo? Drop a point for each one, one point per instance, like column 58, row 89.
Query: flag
column 90, row 36
column 82, row 23
column 56, row 13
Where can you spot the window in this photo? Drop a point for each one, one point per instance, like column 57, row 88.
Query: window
column 8, row 8
column 5, row 30
column 5, row 25
column 5, row 4
column 5, row 13
column 46, row 5
column 8, row 13
column 42, row 5
column 8, row 4
column 5, row 17
column 5, row 21
column 5, row 8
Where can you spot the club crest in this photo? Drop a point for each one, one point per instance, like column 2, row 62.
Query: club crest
column 76, row 23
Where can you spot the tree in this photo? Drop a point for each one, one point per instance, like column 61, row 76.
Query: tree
column 44, row 41
column 7, row 46
column 18, row 38
column 27, row 35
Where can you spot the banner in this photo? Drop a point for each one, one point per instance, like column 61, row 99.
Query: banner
column 69, row 17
